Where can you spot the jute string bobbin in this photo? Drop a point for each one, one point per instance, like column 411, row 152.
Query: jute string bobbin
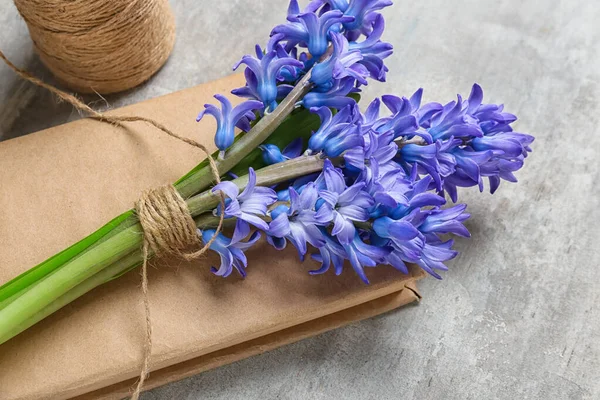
column 165, row 218
column 98, row 45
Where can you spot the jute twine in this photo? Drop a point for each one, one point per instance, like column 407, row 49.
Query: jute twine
column 98, row 45
column 168, row 226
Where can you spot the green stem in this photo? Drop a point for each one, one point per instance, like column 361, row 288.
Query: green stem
column 115, row 270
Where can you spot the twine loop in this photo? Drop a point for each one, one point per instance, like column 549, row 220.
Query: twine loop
column 168, row 226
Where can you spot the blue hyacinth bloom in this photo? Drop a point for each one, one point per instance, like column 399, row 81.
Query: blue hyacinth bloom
column 374, row 51
column 348, row 204
column 341, row 63
column 311, row 29
column 378, row 147
column 262, row 77
column 231, row 252
column 360, row 10
column 272, row 154
column 335, row 97
column 299, row 221
column 361, row 254
column 249, row 206
column 425, row 157
column 444, row 221
column 330, row 126
column 331, row 252
column 346, row 139
column 228, row 118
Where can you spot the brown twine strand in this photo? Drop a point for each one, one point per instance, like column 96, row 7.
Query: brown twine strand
column 98, row 45
column 165, row 218
column 168, row 228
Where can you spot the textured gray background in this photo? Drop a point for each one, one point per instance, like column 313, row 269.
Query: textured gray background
column 517, row 316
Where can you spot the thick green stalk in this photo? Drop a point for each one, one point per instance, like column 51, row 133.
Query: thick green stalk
column 24, row 308
column 122, row 266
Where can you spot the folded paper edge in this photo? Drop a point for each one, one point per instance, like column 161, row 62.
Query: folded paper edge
column 404, row 296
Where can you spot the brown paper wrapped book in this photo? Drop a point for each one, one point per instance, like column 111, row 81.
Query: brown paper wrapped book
column 61, row 184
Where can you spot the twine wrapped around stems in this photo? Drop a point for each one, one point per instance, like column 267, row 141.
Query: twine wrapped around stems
column 100, row 46
column 165, row 218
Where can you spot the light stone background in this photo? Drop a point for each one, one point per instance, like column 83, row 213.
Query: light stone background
column 517, row 315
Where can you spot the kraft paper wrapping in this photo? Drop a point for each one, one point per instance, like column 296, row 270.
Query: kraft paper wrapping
column 63, row 183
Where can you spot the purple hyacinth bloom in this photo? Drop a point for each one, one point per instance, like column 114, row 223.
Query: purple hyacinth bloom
column 348, row 203
column 374, row 51
column 455, row 120
column 335, row 97
column 231, row 251
column 228, row 118
column 398, row 231
column 425, row 248
column 467, row 170
column 388, row 189
column 435, row 222
column 249, row 206
column 443, row 221
column 341, row 63
column 406, row 116
column 405, row 240
column 311, row 29
column 417, row 196
column 371, row 115
column 434, row 256
column 475, row 140
column 361, row 254
column 330, row 126
column 348, row 138
column 273, row 155
column 510, row 144
column 331, row 252
column 377, row 146
column 425, row 157
column 299, row 222
column 360, row 10
column 262, row 76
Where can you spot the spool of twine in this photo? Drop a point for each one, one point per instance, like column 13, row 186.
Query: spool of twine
column 98, row 45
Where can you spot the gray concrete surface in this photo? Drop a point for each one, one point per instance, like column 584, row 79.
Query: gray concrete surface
column 517, row 315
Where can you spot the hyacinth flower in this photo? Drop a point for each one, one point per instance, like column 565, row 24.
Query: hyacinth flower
column 311, row 29
column 261, row 76
column 228, row 118
column 362, row 190
column 472, row 141
column 298, row 221
column 273, row 155
column 330, row 126
column 336, row 97
column 248, row 206
column 360, row 10
column 348, row 204
column 373, row 50
column 231, row 251
column 341, row 63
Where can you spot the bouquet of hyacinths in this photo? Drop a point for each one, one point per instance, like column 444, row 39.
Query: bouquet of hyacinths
column 311, row 168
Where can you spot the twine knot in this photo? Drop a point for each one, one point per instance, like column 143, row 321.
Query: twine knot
column 166, row 220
